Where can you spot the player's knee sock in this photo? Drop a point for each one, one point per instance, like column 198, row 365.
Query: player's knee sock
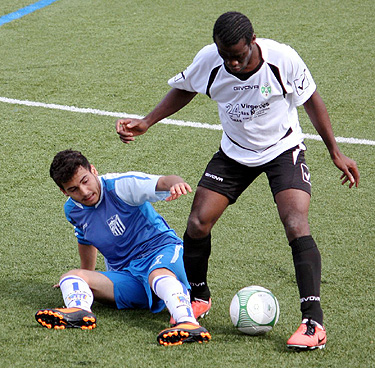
column 76, row 293
column 196, row 255
column 307, row 263
column 176, row 297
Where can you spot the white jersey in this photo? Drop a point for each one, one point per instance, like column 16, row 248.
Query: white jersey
column 258, row 110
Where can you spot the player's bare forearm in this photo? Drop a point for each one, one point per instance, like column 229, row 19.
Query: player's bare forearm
column 175, row 100
column 175, row 185
column 318, row 114
column 88, row 255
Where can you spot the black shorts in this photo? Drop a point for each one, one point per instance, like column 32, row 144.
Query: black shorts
column 230, row 178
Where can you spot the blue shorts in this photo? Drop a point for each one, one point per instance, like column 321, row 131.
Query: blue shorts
column 131, row 287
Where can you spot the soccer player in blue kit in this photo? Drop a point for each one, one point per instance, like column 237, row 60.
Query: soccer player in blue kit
column 112, row 214
column 258, row 85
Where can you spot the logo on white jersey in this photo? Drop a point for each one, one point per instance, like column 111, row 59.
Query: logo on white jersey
column 266, row 89
column 301, row 83
column 245, row 112
column 245, row 88
column 116, row 225
column 179, row 77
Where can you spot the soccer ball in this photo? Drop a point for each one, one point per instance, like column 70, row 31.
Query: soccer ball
column 254, row 310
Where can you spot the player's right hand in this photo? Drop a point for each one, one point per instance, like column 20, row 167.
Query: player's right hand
column 127, row 129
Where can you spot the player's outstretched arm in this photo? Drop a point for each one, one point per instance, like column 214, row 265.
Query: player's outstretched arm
column 318, row 114
column 175, row 100
column 175, row 185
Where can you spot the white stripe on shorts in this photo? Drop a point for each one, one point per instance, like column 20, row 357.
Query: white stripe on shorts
column 176, row 253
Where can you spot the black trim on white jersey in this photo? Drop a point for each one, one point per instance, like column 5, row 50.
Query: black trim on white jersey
column 289, row 132
column 211, row 79
column 241, row 76
column 247, row 75
column 276, row 72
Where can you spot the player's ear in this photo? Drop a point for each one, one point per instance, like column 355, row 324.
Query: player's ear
column 65, row 193
column 94, row 171
column 254, row 38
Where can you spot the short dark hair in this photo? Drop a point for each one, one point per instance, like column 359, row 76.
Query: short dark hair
column 231, row 27
column 65, row 164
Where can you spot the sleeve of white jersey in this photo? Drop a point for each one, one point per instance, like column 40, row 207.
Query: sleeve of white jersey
column 300, row 78
column 195, row 77
column 136, row 188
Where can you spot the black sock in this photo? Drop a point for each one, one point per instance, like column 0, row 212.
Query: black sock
column 196, row 255
column 307, row 263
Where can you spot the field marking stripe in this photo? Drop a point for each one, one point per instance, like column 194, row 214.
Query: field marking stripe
column 24, row 11
column 164, row 121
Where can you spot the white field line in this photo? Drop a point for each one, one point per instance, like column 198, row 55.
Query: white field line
column 164, row 121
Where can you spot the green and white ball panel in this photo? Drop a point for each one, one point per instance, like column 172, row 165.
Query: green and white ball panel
column 254, row 310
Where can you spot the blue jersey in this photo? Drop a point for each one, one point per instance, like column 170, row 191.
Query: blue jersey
column 123, row 225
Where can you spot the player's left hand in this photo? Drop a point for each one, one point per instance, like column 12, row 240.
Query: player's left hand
column 177, row 190
column 349, row 169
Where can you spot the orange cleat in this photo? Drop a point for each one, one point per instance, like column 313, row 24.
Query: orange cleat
column 310, row 335
column 182, row 333
column 200, row 309
column 61, row 318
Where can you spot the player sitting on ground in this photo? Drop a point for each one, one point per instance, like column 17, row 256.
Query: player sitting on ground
column 112, row 213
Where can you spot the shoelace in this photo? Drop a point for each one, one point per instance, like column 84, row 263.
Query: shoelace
column 310, row 328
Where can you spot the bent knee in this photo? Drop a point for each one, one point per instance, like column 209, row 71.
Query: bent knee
column 76, row 272
column 295, row 227
column 197, row 227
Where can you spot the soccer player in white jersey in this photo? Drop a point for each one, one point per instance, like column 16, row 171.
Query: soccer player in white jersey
column 258, row 85
column 113, row 214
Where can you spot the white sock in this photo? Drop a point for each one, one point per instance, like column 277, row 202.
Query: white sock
column 175, row 296
column 76, row 293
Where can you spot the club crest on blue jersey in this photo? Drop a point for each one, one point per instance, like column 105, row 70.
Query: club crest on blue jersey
column 116, row 225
